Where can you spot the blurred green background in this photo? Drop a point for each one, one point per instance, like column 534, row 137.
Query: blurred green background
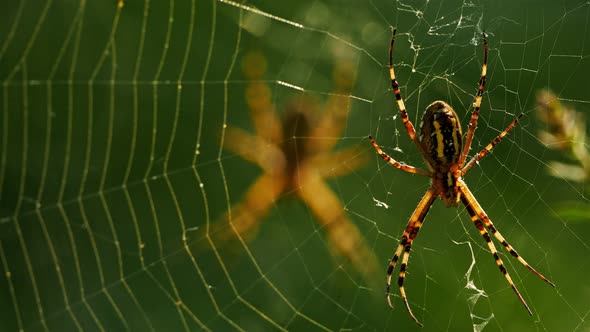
column 112, row 167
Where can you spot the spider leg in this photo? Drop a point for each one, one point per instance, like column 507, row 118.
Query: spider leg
column 344, row 237
column 404, row 167
column 400, row 103
column 259, row 98
column 468, row 198
column 405, row 244
column 336, row 109
column 476, row 104
column 490, row 146
column 486, row 236
column 245, row 217
column 477, row 214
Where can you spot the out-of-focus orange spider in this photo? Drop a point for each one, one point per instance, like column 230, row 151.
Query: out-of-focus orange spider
column 295, row 154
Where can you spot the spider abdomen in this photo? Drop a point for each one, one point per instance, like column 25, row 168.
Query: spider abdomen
column 441, row 136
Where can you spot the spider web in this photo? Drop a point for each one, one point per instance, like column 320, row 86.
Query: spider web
column 113, row 172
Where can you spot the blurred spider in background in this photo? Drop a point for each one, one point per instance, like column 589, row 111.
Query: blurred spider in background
column 295, row 154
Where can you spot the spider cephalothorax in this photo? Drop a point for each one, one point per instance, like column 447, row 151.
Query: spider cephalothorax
column 444, row 151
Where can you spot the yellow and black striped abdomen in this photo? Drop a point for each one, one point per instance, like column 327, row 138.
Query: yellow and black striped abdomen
column 441, row 136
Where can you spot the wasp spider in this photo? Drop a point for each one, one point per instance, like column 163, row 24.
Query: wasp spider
column 441, row 144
